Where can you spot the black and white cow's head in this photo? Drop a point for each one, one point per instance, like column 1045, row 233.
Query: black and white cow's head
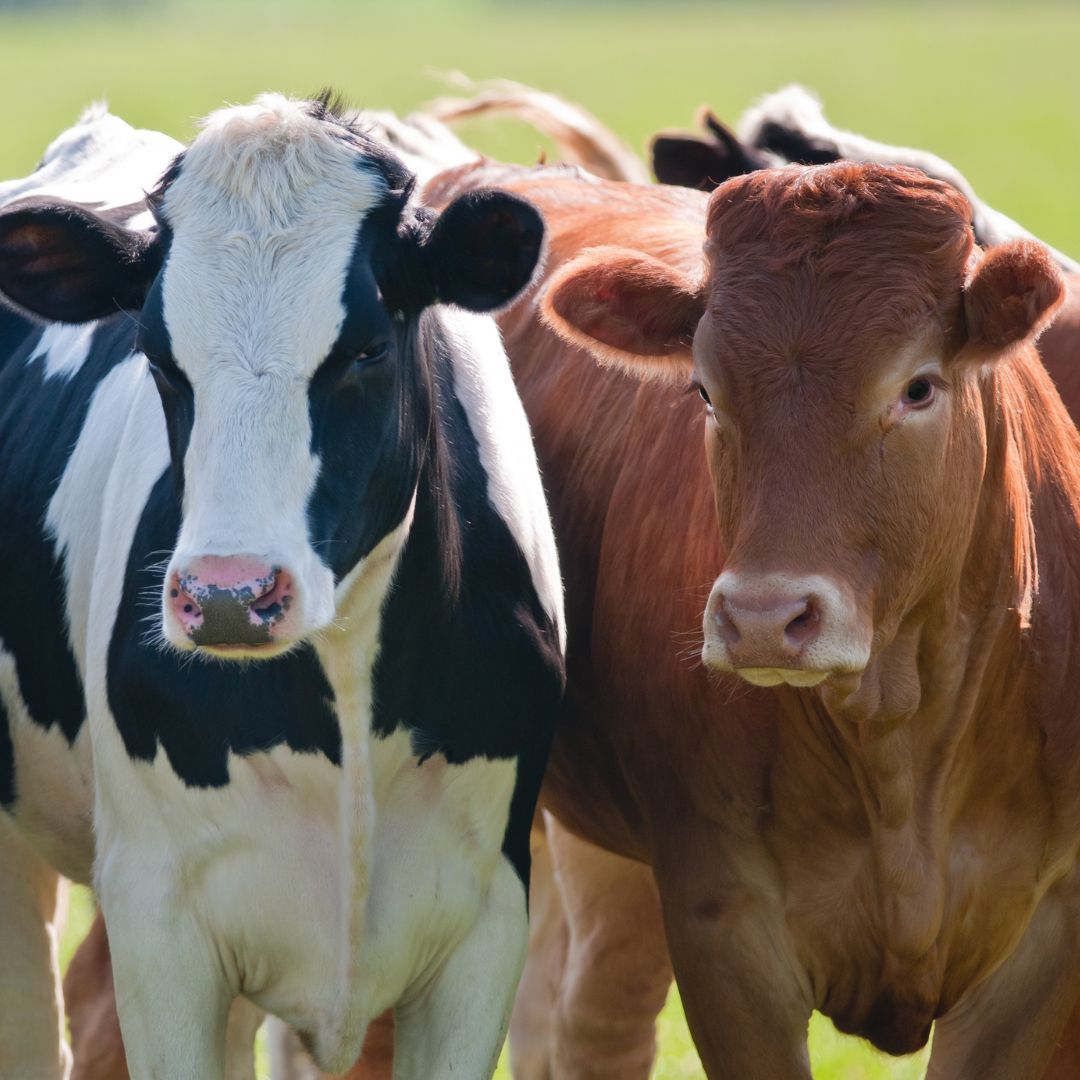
column 277, row 304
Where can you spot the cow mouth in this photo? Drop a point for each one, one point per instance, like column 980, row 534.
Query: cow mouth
column 776, row 676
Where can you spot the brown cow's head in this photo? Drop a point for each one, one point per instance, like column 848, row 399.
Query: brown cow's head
column 844, row 341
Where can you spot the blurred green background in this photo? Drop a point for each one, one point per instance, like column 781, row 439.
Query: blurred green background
column 995, row 88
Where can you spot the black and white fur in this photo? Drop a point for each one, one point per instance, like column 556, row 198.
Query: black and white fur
column 341, row 827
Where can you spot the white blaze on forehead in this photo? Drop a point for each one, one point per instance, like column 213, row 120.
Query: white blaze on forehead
column 265, row 214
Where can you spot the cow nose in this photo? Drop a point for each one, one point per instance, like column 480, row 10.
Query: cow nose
column 230, row 599
column 765, row 629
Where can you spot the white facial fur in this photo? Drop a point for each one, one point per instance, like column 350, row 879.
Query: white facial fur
column 265, row 213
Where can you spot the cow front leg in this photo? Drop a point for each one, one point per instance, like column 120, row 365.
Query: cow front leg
column 617, row 972
column 454, row 1026
column 1010, row 1027
column 747, row 1004
column 532, row 1036
column 32, row 1044
column 171, row 993
column 95, row 1028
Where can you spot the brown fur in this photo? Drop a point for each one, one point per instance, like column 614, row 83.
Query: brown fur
column 881, row 851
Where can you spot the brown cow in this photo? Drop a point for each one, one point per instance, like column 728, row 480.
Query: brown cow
column 897, row 487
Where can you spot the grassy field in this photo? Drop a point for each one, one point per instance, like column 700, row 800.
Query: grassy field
column 991, row 87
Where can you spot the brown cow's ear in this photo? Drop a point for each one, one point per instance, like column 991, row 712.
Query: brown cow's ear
column 626, row 308
column 1010, row 297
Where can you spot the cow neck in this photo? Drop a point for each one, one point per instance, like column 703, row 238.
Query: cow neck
column 975, row 681
column 349, row 656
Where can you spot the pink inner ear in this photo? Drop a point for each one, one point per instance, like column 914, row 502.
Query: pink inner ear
column 1012, row 295
column 623, row 306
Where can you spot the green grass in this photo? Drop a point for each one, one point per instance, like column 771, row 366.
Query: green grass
column 992, row 87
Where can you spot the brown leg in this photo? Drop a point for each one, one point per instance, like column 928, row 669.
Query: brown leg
column 1019, row 1022
column 91, row 1008
column 532, row 1023
column 617, row 972
column 377, row 1058
column 746, row 1003
column 1065, row 1064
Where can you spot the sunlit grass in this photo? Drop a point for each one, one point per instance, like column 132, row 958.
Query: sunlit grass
column 991, row 86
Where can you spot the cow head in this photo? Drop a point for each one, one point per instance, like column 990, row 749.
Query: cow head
column 848, row 343
column 278, row 305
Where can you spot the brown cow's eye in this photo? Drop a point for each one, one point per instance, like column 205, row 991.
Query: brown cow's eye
column 704, row 395
column 918, row 392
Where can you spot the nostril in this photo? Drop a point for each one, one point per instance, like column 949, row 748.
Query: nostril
column 803, row 628
column 184, row 604
column 271, row 606
column 725, row 624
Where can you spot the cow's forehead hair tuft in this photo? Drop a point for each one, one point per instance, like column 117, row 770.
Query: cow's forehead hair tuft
column 274, row 162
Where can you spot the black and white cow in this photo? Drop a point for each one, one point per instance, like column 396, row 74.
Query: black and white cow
column 281, row 631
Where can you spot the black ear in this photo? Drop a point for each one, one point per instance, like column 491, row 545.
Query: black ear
column 63, row 262
column 703, row 162
column 796, row 146
column 483, row 249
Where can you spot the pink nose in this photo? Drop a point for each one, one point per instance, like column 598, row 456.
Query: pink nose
column 230, row 599
column 770, row 629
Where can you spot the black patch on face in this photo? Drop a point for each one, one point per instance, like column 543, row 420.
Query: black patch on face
column 200, row 710
column 370, row 419
column 476, row 672
column 173, row 387
column 40, row 421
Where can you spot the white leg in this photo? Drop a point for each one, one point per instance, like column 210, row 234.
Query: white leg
column 171, row 993
column 32, row 1043
column 454, row 1028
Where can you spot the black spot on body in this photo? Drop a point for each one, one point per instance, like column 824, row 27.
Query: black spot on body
column 473, row 672
column 40, row 421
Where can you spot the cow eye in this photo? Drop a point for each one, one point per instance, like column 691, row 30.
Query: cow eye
column 372, row 354
column 705, row 396
column 918, row 393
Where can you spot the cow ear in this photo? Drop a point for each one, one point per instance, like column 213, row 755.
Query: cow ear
column 702, row 162
column 483, row 249
column 63, row 262
column 1010, row 297
column 626, row 308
